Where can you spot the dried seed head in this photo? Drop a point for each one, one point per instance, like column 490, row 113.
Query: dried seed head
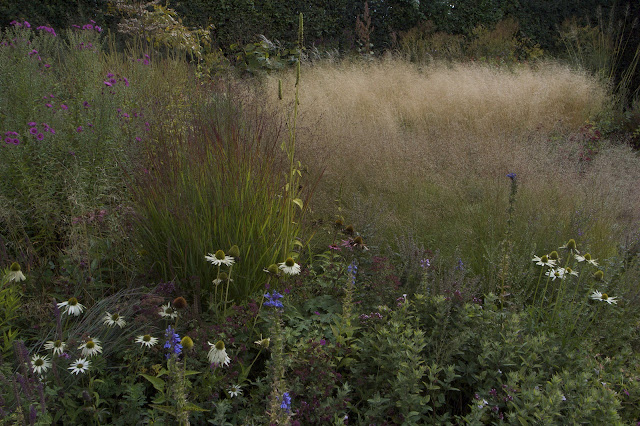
column 179, row 303
column 554, row 255
column 223, row 276
column 598, row 275
column 348, row 230
column 273, row 269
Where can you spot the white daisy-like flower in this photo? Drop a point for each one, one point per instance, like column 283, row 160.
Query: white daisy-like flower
column 218, row 354
column 220, row 259
column 166, row 311
column 604, row 297
column 586, row 258
column 543, row 261
column 15, row 273
column 113, row 319
column 235, row 390
column 57, row 346
column 289, row 267
column 571, row 246
column 263, row 343
column 71, row 307
column 81, row 365
column 90, row 347
column 40, row 364
column 569, row 271
column 147, row 340
column 555, row 273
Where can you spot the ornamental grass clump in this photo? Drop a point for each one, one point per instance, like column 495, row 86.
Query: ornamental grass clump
column 217, row 182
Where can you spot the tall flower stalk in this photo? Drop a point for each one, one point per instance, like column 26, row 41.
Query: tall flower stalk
column 291, row 187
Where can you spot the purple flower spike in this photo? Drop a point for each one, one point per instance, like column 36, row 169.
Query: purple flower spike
column 511, row 176
column 273, row 300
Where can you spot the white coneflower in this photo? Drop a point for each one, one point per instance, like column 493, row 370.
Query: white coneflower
column 40, row 364
column 147, row 340
column 263, row 343
column 90, row 347
column 57, row 346
column 166, row 311
column 571, row 246
column 71, row 307
column 15, row 273
column 235, row 390
column 218, row 354
column 543, row 261
column 603, row 297
column 586, row 258
column 289, row 267
column 80, row 365
column 114, row 319
column 220, row 259
column 569, row 271
column 555, row 273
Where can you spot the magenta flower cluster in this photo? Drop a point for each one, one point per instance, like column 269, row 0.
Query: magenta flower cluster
column 47, row 29
column 111, row 80
column 33, row 129
column 17, row 24
column 89, row 27
column 145, row 59
column 11, row 138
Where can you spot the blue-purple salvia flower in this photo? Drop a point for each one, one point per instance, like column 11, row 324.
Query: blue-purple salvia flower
column 173, row 342
column 273, row 300
column 352, row 269
column 511, row 176
column 286, row 402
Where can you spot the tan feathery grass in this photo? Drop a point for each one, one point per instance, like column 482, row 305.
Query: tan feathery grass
column 430, row 147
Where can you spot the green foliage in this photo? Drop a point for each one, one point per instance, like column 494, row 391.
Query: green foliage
column 10, row 304
column 264, row 56
column 213, row 186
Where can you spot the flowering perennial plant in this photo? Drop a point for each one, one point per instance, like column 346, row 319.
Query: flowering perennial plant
column 172, row 343
column 218, row 354
column 273, row 300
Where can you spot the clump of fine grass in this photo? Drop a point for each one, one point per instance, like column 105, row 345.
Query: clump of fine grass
column 217, row 183
column 432, row 146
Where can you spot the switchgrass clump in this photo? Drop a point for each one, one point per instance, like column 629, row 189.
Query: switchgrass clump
column 218, row 182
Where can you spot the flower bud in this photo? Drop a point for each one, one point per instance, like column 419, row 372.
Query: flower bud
column 187, row 343
column 234, row 251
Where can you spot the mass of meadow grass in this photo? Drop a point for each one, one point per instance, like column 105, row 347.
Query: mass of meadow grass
column 345, row 242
